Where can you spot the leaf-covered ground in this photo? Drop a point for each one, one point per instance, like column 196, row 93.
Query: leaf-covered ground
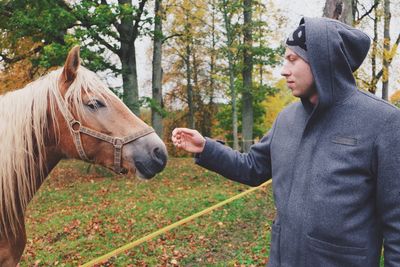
column 83, row 211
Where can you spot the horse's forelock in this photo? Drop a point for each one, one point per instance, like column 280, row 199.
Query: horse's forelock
column 86, row 83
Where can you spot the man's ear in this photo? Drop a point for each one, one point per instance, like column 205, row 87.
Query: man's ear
column 71, row 65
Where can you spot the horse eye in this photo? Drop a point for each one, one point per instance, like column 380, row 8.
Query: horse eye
column 95, row 104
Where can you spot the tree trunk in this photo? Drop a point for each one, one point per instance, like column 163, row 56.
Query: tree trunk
column 229, row 43
column 247, row 97
column 128, row 31
column 347, row 13
column 129, row 77
column 386, row 49
column 261, row 45
column 372, row 87
column 233, row 102
column 189, row 88
column 211, row 106
column 333, row 9
column 156, row 116
column 196, row 98
column 199, row 102
column 339, row 9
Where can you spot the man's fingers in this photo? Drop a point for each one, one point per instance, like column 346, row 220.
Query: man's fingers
column 187, row 131
column 177, row 138
column 175, row 131
column 185, row 138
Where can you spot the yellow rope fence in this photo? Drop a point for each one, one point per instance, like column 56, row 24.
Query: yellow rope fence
column 169, row 227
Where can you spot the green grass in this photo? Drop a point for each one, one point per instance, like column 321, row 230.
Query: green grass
column 82, row 212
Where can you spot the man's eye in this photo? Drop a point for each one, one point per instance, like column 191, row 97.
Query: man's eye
column 95, row 104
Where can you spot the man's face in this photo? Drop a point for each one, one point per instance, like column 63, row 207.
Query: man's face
column 299, row 77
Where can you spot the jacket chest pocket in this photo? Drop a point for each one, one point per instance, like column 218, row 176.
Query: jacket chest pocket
column 341, row 167
column 343, row 156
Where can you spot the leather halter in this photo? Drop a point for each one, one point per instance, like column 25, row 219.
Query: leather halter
column 76, row 129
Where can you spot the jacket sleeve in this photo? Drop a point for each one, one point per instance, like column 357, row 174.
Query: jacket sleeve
column 251, row 168
column 388, row 188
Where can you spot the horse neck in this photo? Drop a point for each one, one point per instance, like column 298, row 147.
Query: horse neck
column 15, row 235
column 18, row 191
column 52, row 154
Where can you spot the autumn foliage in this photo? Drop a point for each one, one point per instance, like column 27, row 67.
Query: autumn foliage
column 395, row 98
column 20, row 71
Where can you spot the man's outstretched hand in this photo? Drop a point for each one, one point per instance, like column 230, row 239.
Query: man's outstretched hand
column 188, row 139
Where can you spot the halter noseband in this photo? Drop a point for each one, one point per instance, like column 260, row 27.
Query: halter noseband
column 76, row 129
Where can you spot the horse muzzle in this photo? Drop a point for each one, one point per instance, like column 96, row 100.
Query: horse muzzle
column 149, row 155
column 148, row 167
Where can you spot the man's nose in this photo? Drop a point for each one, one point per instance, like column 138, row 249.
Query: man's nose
column 285, row 72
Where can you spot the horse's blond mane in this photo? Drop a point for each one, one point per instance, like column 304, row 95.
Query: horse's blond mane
column 23, row 129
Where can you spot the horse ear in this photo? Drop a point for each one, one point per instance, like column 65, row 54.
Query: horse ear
column 71, row 65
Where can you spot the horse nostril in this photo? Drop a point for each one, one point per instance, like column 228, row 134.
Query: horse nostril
column 160, row 156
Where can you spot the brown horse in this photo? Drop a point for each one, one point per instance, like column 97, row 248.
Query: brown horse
column 68, row 113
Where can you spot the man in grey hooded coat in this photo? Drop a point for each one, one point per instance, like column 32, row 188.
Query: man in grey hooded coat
column 334, row 157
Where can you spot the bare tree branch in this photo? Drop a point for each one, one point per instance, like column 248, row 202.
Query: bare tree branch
column 15, row 59
column 172, row 36
column 367, row 13
column 137, row 20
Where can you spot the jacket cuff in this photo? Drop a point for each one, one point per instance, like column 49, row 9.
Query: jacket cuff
column 203, row 157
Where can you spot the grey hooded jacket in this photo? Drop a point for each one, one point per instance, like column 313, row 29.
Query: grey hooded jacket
column 335, row 167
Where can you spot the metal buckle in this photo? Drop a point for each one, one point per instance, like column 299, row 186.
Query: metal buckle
column 118, row 142
column 75, row 125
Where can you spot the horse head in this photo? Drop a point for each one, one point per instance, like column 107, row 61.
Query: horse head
column 96, row 126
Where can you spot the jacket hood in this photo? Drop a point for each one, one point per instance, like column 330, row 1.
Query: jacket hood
column 335, row 50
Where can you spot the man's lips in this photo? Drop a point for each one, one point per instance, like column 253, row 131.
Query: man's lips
column 290, row 84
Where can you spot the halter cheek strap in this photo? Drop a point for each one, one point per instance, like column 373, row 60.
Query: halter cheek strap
column 76, row 129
